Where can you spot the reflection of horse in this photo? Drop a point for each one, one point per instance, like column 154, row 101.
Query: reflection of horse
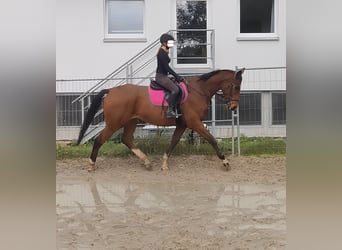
column 125, row 105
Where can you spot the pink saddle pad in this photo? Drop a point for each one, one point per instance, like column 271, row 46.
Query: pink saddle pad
column 157, row 96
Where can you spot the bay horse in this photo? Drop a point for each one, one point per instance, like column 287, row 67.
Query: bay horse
column 125, row 105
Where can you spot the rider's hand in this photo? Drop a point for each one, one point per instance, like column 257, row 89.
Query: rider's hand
column 180, row 79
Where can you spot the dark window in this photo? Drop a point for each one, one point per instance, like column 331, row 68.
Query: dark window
column 249, row 110
column 256, row 16
column 278, row 108
column 68, row 114
column 221, row 112
column 192, row 43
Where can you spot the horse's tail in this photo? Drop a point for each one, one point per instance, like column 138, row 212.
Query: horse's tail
column 94, row 107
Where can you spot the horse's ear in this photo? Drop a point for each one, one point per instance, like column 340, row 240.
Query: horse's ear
column 239, row 73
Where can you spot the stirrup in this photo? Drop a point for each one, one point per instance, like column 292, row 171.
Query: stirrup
column 178, row 115
column 171, row 114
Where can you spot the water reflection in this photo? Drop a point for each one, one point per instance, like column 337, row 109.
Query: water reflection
column 225, row 210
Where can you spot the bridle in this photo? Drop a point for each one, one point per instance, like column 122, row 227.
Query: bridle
column 229, row 99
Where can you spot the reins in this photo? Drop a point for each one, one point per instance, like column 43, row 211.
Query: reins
column 209, row 97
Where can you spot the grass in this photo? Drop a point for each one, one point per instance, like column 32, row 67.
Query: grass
column 157, row 144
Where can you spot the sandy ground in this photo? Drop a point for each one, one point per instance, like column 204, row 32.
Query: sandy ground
column 195, row 205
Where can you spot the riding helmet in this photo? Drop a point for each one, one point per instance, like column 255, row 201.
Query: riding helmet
column 166, row 37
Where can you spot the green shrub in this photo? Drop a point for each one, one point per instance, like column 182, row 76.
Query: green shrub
column 157, row 144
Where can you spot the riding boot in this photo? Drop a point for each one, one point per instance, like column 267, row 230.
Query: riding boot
column 171, row 113
column 171, row 109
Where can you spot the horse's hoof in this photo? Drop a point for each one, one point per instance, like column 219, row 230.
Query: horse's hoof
column 148, row 166
column 92, row 166
column 226, row 164
column 164, row 168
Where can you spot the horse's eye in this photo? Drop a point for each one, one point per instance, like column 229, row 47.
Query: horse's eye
column 237, row 87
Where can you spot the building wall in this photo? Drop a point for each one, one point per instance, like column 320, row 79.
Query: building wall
column 81, row 51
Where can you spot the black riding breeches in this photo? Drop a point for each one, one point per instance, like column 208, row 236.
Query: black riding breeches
column 164, row 81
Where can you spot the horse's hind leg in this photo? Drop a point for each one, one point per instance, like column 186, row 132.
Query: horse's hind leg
column 103, row 136
column 128, row 140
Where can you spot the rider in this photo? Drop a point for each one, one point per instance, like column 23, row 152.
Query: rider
column 163, row 69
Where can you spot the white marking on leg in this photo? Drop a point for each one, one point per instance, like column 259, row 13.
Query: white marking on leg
column 165, row 164
column 91, row 167
column 226, row 164
column 141, row 156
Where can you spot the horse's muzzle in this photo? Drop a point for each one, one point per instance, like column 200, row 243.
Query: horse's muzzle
column 232, row 105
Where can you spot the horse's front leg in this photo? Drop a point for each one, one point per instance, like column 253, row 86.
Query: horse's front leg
column 174, row 141
column 200, row 129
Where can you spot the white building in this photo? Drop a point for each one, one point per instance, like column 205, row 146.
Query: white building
column 95, row 39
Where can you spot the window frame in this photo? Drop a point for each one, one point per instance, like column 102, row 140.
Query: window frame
column 271, row 108
column 126, row 36
column 259, row 93
column 222, row 122
column 208, row 64
column 272, row 36
column 74, row 111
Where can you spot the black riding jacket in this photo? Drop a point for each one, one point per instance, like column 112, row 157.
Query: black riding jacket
column 163, row 61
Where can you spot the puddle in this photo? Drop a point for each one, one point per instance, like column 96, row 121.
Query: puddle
column 112, row 212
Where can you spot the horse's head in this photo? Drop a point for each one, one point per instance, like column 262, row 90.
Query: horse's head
column 231, row 89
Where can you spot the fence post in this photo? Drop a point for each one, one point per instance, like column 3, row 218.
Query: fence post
column 213, row 109
column 238, row 127
column 233, row 133
column 82, row 110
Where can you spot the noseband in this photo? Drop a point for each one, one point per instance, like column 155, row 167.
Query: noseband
column 229, row 100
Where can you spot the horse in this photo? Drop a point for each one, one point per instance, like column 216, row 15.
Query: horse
column 125, row 105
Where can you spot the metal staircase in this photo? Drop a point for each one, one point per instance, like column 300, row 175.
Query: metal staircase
column 138, row 70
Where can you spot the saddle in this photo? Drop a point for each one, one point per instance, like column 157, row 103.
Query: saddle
column 159, row 95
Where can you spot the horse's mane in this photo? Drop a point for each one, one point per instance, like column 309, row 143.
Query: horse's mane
column 206, row 76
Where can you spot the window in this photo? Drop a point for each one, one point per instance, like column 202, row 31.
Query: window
column 68, row 114
column 257, row 19
column 125, row 19
column 278, row 108
column 249, row 110
column 223, row 116
column 192, row 37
